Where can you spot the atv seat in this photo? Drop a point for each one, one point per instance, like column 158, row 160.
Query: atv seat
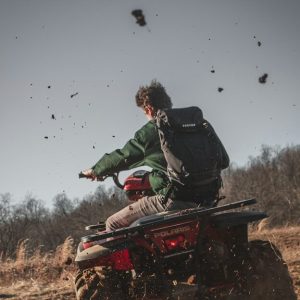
column 152, row 218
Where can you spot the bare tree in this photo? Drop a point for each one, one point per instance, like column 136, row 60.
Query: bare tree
column 274, row 179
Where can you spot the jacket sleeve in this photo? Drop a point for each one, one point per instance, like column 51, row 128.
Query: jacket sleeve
column 130, row 156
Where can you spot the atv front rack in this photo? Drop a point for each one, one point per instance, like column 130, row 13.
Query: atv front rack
column 195, row 213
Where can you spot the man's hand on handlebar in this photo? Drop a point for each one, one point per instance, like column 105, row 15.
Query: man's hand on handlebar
column 90, row 174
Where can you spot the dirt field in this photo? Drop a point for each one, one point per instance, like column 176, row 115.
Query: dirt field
column 40, row 282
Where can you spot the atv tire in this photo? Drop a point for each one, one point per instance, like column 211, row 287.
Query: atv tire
column 268, row 277
column 262, row 274
column 101, row 284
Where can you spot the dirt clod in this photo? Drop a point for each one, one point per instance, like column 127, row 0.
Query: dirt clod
column 263, row 78
column 139, row 16
column 75, row 94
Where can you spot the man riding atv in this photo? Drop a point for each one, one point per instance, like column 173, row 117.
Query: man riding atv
column 145, row 149
column 191, row 253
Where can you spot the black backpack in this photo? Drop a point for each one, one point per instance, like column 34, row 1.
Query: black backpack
column 190, row 145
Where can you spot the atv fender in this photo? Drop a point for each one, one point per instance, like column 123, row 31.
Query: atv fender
column 224, row 220
column 92, row 253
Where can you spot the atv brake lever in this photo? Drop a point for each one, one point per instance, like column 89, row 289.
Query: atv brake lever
column 100, row 226
column 81, row 175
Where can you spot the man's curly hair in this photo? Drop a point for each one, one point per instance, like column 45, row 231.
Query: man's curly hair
column 154, row 95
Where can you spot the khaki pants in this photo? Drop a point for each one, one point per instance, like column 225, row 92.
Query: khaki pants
column 145, row 206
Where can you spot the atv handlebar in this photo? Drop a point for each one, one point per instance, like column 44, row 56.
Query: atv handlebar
column 114, row 176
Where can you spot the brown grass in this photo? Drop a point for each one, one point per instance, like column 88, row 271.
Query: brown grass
column 38, row 266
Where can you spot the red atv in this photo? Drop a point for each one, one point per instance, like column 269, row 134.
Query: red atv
column 199, row 253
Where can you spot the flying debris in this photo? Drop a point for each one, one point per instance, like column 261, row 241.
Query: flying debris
column 113, row 136
column 212, row 71
column 220, row 89
column 46, row 137
column 258, row 42
column 49, row 86
column 75, row 94
column 94, row 147
column 139, row 16
column 263, row 78
column 53, row 117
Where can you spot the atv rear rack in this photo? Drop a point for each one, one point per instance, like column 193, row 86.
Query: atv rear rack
column 196, row 213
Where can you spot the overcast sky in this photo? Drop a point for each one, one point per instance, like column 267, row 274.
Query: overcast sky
column 94, row 50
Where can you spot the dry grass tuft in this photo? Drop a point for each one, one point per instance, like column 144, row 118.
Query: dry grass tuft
column 21, row 253
column 38, row 265
column 64, row 253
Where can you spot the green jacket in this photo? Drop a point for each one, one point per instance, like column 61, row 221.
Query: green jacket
column 143, row 150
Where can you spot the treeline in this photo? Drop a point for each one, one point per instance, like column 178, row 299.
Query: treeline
column 273, row 178
column 48, row 228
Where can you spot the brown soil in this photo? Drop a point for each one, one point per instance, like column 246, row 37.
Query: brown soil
column 44, row 287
